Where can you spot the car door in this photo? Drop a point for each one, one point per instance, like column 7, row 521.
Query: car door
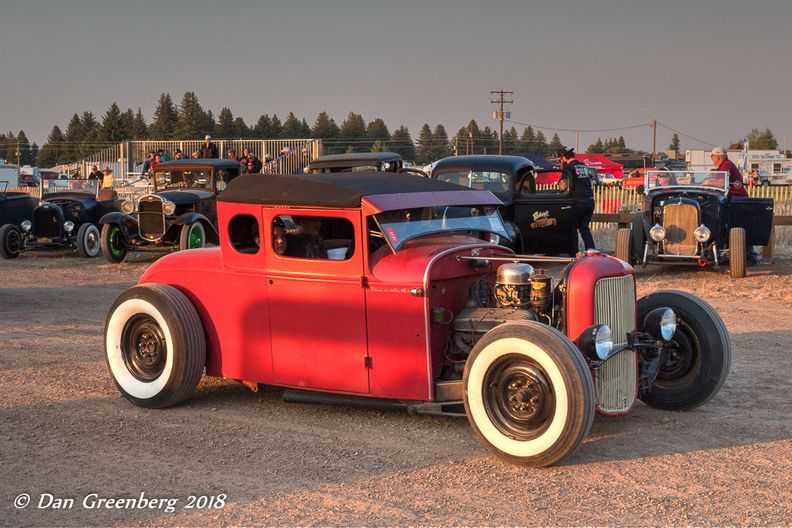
column 317, row 312
column 545, row 218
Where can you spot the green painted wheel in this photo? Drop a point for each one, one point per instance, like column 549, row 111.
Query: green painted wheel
column 193, row 236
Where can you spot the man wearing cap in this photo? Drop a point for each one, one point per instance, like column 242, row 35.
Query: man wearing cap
column 95, row 174
column 209, row 150
column 147, row 163
column 736, row 188
column 722, row 161
column 579, row 184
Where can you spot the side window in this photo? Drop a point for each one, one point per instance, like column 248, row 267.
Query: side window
column 313, row 237
column 243, row 232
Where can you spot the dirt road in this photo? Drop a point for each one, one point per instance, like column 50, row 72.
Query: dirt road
column 229, row 456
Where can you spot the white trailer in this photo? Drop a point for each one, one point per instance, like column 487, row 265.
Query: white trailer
column 9, row 174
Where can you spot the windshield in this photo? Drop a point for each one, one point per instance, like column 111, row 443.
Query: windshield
column 54, row 186
column 499, row 183
column 175, row 179
column 402, row 225
column 676, row 179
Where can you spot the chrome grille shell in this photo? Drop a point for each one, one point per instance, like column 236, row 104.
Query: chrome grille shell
column 616, row 380
column 151, row 219
column 680, row 220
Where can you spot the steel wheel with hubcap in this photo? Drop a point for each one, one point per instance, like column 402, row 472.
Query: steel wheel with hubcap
column 114, row 244
column 528, row 394
column 193, row 236
column 155, row 346
column 88, row 241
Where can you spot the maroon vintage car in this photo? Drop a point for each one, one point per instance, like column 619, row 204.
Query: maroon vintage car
column 381, row 294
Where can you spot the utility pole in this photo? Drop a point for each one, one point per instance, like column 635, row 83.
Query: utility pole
column 654, row 139
column 500, row 115
column 577, row 140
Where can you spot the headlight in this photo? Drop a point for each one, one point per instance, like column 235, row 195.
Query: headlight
column 168, row 208
column 68, row 225
column 596, row 342
column 657, row 233
column 26, row 225
column 127, row 207
column 701, row 233
column 494, row 239
column 661, row 323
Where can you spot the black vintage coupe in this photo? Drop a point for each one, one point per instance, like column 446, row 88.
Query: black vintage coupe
column 538, row 217
column 66, row 217
column 180, row 213
column 689, row 218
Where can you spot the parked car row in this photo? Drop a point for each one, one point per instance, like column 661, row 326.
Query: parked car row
column 388, row 289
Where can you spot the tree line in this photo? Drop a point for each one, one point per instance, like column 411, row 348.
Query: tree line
column 86, row 135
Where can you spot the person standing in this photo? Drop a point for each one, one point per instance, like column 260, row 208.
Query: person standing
column 209, row 150
column 108, row 181
column 95, row 174
column 736, row 188
column 579, row 183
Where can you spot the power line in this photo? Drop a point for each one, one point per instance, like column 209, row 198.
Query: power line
column 578, row 129
column 685, row 135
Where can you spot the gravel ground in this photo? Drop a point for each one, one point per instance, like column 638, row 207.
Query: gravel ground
column 229, row 456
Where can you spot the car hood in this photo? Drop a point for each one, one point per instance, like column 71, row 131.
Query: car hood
column 185, row 196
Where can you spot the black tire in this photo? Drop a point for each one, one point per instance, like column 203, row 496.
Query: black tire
column 89, row 241
column 114, row 243
column 193, row 236
column 624, row 246
column 528, row 394
column 697, row 362
column 766, row 183
column 10, row 241
column 154, row 345
column 639, row 237
column 737, row 255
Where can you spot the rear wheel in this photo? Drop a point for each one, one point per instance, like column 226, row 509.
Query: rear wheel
column 88, row 241
column 697, row 359
column 154, row 345
column 193, row 236
column 10, row 241
column 114, row 244
column 528, row 394
column 624, row 246
column 737, row 252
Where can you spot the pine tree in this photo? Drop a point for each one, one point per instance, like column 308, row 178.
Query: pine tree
column 674, row 144
column 49, row 155
column 262, row 128
column 353, row 133
column 92, row 138
column 226, row 128
column 242, row 130
column 165, row 120
column 423, row 150
column 192, row 118
column 74, row 136
column 292, row 127
column 541, row 145
column 325, row 128
column 528, row 140
column 511, row 142
column 112, row 130
column 402, row 144
column 596, row 148
column 138, row 131
column 440, row 145
column 276, row 127
column 378, row 130
column 554, row 145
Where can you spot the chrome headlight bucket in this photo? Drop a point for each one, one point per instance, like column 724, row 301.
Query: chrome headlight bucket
column 68, row 225
column 661, row 323
column 26, row 225
column 127, row 207
column 596, row 342
column 657, row 233
column 702, row 234
column 494, row 239
column 168, row 208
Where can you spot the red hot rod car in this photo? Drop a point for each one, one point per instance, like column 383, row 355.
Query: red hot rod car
column 383, row 294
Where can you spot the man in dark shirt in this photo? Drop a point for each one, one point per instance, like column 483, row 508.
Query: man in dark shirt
column 579, row 183
column 209, row 150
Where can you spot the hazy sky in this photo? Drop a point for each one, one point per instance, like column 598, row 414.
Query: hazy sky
column 711, row 70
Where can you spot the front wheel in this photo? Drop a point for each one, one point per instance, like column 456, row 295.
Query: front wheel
column 88, row 241
column 154, row 345
column 192, row 236
column 528, row 394
column 737, row 253
column 696, row 361
column 114, row 244
column 10, row 241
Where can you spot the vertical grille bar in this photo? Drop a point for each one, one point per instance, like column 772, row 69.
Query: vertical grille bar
column 616, row 379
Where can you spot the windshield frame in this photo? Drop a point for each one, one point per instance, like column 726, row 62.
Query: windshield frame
column 399, row 226
column 159, row 185
column 650, row 180
column 52, row 186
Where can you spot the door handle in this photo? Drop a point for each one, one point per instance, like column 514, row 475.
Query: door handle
column 567, row 207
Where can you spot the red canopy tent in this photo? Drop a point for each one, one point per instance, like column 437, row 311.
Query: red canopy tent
column 602, row 164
